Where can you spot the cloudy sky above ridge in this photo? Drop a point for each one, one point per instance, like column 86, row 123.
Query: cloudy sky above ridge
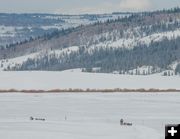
column 83, row 6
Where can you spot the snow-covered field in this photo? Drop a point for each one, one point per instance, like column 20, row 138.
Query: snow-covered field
column 87, row 116
column 74, row 79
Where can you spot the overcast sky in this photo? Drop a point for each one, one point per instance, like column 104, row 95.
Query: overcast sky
column 83, row 6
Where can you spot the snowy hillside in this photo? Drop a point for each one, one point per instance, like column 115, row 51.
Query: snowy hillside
column 87, row 116
column 138, row 43
column 7, row 64
column 133, row 41
column 18, row 61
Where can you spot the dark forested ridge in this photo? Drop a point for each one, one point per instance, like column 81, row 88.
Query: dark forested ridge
column 149, row 39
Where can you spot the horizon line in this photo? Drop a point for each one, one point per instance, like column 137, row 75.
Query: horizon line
column 115, row 12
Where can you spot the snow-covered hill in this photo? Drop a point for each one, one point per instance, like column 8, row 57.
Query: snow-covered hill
column 141, row 43
column 119, row 43
column 18, row 61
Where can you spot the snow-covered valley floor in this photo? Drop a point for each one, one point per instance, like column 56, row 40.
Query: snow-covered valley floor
column 87, row 116
column 48, row 80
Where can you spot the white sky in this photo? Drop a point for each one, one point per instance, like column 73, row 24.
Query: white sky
column 83, row 6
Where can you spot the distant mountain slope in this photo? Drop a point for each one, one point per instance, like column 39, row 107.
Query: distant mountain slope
column 150, row 40
column 18, row 27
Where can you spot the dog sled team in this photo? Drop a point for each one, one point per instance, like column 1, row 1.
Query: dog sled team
column 122, row 123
